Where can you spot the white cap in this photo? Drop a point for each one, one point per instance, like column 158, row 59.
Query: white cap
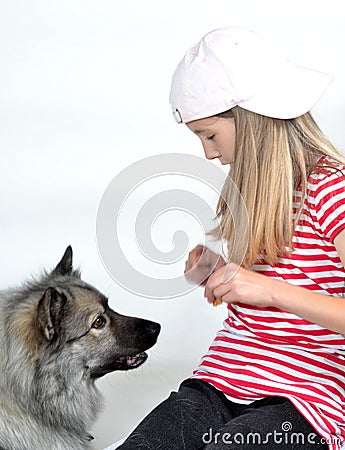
column 234, row 66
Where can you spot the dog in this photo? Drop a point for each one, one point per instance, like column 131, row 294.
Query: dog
column 58, row 335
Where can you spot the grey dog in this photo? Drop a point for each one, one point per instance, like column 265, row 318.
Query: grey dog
column 57, row 337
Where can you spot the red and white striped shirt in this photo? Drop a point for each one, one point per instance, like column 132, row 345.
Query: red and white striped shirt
column 262, row 352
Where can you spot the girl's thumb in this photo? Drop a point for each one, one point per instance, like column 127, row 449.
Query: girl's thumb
column 230, row 271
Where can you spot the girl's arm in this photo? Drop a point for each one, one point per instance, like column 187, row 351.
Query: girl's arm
column 236, row 284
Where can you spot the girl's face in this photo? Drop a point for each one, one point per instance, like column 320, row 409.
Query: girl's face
column 217, row 135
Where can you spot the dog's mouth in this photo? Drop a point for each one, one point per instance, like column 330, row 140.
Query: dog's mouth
column 131, row 362
column 128, row 362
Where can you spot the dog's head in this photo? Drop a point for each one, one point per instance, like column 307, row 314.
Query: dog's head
column 75, row 323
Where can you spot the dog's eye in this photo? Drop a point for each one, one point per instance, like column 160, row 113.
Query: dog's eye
column 99, row 322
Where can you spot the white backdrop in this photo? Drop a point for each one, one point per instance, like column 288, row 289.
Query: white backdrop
column 84, row 90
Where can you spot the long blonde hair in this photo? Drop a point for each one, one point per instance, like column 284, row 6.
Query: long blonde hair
column 272, row 158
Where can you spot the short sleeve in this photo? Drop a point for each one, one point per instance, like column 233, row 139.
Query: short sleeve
column 330, row 203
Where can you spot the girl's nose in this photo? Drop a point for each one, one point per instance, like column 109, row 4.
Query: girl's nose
column 211, row 153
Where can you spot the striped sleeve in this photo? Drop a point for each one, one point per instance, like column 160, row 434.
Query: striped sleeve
column 329, row 204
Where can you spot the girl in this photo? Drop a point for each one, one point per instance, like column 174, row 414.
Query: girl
column 273, row 377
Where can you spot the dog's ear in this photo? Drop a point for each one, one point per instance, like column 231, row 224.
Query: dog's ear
column 65, row 265
column 49, row 312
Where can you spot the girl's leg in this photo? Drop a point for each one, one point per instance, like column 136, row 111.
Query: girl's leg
column 271, row 423
column 181, row 421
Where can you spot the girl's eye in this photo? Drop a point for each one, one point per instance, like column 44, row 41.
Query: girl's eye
column 99, row 323
column 210, row 138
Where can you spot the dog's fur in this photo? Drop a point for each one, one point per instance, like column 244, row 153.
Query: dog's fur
column 57, row 336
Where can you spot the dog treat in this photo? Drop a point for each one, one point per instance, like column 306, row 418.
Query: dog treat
column 217, row 302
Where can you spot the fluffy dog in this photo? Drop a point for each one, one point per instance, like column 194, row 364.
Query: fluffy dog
column 57, row 337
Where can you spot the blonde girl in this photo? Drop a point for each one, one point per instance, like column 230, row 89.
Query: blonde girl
column 274, row 375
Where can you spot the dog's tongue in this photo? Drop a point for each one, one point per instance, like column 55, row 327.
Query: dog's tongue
column 132, row 359
column 136, row 360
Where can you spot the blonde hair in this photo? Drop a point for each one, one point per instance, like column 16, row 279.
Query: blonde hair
column 272, row 158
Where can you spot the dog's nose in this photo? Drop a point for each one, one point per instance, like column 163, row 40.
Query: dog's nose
column 153, row 328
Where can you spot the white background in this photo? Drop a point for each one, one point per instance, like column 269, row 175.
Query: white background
column 84, row 90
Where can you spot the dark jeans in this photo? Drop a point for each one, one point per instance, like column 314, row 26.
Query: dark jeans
column 200, row 417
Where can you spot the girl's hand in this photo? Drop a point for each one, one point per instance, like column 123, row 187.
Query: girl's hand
column 233, row 284
column 201, row 263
